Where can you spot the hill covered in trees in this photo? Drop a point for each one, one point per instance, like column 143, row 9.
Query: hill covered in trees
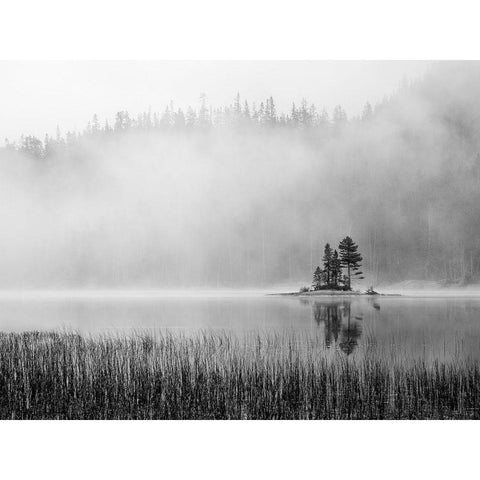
column 245, row 195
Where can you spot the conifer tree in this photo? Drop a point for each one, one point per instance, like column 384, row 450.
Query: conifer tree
column 303, row 117
column 95, row 125
column 339, row 116
column 261, row 113
column 246, row 111
column 317, row 278
column 367, row 112
column 327, row 263
column 166, row 120
column 237, row 109
column 254, row 112
column 294, row 115
column 270, row 112
column 122, row 121
column 324, row 119
column 48, row 146
column 203, row 115
column 336, row 269
column 191, row 118
column 350, row 259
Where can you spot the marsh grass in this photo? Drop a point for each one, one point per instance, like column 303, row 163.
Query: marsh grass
column 63, row 375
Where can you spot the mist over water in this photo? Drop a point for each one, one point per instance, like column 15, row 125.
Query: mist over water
column 236, row 205
column 435, row 328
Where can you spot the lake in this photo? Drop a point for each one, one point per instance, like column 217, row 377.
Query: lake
column 430, row 327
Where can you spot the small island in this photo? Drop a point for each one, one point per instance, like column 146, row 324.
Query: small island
column 341, row 267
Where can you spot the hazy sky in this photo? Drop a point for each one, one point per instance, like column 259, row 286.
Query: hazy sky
column 37, row 96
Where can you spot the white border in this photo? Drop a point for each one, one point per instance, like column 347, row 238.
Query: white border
column 251, row 29
column 238, row 450
column 214, row 29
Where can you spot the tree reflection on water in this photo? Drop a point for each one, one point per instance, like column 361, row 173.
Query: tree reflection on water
column 340, row 328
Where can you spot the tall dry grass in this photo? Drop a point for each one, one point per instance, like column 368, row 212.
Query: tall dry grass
column 63, row 375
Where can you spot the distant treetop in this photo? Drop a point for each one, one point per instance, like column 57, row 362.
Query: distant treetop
column 239, row 115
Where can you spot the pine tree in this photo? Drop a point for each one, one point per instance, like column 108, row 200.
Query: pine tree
column 294, row 115
column 147, row 119
column 166, row 121
column 303, row 117
column 95, row 125
column 270, row 112
column 203, row 115
column 327, row 263
column 367, row 112
column 237, row 109
column 350, row 259
column 317, row 279
column 71, row 138
column 336, row 270
column 324, row 119
column 120, row 121
column 312, row 115
column 261, row 113
column 191, row 118
column 246, row 111
column 339, row 116
column 32, row 145
column 48, row 147
column 254, row 112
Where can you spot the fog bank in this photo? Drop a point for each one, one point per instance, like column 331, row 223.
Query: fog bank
column 236, row 201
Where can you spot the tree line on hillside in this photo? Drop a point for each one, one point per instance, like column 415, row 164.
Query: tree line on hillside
column 239, row 115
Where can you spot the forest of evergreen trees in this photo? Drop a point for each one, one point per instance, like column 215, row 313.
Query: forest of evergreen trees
column 239, row 115
column 248, row 195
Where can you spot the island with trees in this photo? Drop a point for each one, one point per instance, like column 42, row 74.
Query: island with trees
column 340, row 268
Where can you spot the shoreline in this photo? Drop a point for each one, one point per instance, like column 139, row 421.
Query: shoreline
column 333, row 293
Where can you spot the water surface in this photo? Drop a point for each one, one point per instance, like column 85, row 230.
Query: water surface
column 432, row 327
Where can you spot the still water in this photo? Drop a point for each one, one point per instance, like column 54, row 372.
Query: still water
column 432, row 327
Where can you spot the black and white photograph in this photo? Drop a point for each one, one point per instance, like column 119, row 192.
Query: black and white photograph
column 235, row 240
column 240, row 255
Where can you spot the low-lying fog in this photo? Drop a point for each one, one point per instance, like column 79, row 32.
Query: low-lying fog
column 250, row 201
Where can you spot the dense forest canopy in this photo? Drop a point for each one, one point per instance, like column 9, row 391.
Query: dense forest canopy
column 245, row 195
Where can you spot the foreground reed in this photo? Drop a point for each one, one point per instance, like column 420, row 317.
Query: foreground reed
column 217, row 376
